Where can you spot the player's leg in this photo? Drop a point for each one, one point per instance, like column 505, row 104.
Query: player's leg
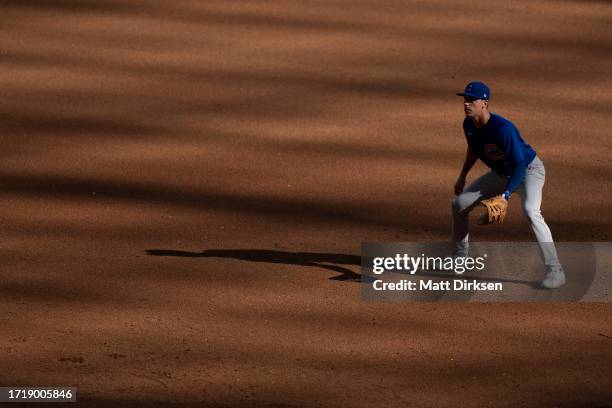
column 488, row 185
column 531, row 196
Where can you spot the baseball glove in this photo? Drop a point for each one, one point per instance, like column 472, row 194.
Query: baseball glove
column 496, row 210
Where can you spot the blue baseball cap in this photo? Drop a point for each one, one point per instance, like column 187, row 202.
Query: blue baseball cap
column 476, row 90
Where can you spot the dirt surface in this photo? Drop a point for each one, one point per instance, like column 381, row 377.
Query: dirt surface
column 185, row 187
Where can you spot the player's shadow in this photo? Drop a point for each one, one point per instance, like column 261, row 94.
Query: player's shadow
column 327, row 261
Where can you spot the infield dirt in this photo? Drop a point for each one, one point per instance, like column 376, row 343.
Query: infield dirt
column 185, row 188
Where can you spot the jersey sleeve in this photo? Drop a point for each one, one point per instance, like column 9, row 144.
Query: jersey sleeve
column 511, row 145
column 465, row 127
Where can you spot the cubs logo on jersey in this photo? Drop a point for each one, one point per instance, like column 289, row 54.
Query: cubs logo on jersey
column 493, row 152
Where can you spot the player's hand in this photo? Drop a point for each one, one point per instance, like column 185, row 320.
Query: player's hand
column 459, row 184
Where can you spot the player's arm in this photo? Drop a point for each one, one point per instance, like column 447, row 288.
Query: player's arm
column 470, row 160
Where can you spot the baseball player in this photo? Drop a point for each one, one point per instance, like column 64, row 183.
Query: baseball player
column 515, row 167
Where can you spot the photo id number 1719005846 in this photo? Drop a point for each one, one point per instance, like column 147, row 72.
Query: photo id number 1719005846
column 37, row 394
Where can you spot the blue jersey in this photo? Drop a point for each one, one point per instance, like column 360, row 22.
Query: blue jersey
column 499, row 145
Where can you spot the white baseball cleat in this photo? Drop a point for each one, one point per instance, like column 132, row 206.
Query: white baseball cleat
column 554, row 279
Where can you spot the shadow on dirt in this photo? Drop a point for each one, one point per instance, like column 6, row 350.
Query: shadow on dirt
column 322, row 260
column 327, row 261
